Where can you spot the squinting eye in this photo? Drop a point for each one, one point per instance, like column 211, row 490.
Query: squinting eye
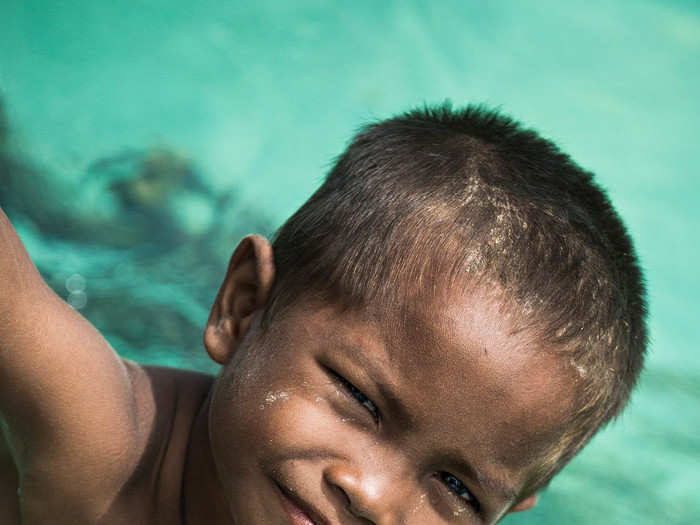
column 459, row 489
column 359, row 395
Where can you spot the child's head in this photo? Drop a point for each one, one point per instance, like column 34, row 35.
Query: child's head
column 468, row 256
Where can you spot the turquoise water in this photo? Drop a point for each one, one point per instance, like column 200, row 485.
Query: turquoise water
column 146, row 138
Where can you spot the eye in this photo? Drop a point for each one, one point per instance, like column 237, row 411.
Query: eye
column 361, row 398
column 459, row 489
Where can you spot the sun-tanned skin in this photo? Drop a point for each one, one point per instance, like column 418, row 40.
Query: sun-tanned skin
column 354, row 417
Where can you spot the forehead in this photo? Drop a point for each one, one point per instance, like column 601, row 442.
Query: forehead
column 500, row 379
column 467, row 382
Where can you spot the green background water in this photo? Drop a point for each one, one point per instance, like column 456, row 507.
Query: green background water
column 146, row 137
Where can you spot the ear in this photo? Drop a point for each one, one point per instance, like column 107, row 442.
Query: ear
column 249, row 278
column 525, row 504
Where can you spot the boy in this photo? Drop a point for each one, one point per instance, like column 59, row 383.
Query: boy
column 431, row 338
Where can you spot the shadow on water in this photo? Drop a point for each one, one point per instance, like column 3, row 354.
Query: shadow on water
column 138, row 242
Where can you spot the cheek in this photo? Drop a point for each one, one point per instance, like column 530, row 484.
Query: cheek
column 267, row 418
column 300, row 422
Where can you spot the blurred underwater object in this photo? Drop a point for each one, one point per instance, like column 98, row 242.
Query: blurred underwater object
column 143, row 197
column 140, row 229
column 152, row 188
column 48, row 199
column 144, row 180
column 163, row 195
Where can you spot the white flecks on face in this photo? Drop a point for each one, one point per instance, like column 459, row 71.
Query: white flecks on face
column 278, row 396
column 274, row 397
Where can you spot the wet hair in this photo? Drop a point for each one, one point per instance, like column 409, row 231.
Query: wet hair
column 438, row 196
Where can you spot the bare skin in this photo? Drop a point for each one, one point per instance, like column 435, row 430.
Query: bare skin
column 297, row 425
column 87, row 437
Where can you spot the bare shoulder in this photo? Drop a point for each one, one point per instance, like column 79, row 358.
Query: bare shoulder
column 168, row 401
column 145, row 486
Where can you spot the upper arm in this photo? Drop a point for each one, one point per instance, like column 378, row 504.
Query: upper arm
column 65, row 395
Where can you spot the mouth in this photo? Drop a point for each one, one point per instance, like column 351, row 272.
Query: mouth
column 299, row 511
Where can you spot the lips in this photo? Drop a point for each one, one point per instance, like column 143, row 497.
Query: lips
column 299, row 511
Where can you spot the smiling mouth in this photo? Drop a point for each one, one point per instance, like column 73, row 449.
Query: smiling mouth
column 298, row 511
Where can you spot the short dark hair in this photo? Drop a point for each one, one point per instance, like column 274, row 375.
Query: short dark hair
column 472, row 193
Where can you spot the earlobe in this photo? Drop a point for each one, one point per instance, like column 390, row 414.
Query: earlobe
column 525, row 504
column 245, row 290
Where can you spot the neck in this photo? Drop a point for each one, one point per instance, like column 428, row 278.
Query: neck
column 203, row 501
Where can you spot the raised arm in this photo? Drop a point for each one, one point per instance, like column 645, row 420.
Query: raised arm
column 66, row 398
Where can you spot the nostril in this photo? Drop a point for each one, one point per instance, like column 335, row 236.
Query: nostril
column 343, row 495
column 335, row 481
column 350, row 508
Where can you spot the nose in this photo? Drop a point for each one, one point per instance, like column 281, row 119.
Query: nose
column 374, row 496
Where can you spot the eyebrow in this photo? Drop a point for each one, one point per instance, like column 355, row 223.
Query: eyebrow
column 400, row 412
